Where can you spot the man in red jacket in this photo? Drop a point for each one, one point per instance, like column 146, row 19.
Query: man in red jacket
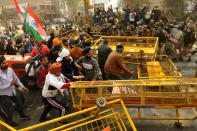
column 40, row 48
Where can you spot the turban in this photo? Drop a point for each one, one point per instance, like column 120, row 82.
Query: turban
column 63, row 54
column 86, row 50
column 55, row 67
column 56, row 42
column 2, row 59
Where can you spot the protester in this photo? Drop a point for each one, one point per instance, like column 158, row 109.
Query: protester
column 114, row 64
column 40, row 49
column 42, row 71
column 76, row 52
column 50, row 41
column 29, row 45
column 89, row 68
column 55, row 50
column 8, row 94
column 65, row 44
column 103, row 53
column 10, row 49
column 70, row 71
column 68, row 67
column 55, row 82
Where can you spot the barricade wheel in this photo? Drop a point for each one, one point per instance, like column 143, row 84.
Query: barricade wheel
column 101, row 102
column 178, row 124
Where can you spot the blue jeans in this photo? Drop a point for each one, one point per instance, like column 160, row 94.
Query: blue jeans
column 114, row 77
column 7, row 102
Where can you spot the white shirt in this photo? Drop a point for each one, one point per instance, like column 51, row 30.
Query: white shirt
column 148, row 14
column 52, row 80
column 131, row 17
column 5, row 80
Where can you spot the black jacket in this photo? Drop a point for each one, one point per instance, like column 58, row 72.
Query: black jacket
column 10, row 50
column 69, row 69
column 54, row 53
column 103, row 53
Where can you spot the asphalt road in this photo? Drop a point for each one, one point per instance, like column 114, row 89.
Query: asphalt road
column 34, row 106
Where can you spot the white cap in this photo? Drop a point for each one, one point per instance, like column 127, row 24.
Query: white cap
column 63, row 54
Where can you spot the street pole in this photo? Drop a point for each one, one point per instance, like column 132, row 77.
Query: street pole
column 86, row 9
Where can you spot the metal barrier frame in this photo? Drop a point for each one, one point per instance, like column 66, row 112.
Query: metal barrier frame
column 187, row 103
column 130, row 59
column 75, row 34
column 124, row 115
column 172, row 69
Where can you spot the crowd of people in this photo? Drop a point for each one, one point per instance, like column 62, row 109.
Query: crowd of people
column 66, row 62
column 62, row 62
column 176, row 38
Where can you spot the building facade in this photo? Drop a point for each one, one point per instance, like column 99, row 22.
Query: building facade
column 51, row 8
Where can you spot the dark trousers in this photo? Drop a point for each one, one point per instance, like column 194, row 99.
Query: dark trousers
column 103, row 74
column 50, row 103
column 114, row 77
column 7, row 102
column 67, row 100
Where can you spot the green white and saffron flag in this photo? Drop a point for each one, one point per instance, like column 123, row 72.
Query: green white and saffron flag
column 34, row 26
column 22, row 13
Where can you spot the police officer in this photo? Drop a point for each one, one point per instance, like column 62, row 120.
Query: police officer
column 189, row 40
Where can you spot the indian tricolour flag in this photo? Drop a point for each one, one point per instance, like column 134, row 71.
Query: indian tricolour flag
column 22, row 13
column 34, row 26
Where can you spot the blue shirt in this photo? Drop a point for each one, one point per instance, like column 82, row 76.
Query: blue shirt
column 5, row 79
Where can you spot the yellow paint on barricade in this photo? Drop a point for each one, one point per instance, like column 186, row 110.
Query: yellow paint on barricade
column 134, row 46
column 154, row 70
column 96, row 119
column 172, row 94
column 160, row 69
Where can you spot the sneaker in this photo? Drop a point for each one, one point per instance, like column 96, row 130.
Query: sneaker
column 44, row 120
column 62, row 122
column 25, row 117
column 14, row 124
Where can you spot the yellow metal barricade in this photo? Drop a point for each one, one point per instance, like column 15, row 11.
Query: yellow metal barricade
column 134, row 47
column 163, row 68
column 4, row 126
column 172, row 94
column 97, row 119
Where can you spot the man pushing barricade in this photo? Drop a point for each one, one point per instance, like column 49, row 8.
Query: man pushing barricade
column 114, row 64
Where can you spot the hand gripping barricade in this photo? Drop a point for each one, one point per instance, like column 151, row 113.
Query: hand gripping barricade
column 174, row 94
column 99, row 118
